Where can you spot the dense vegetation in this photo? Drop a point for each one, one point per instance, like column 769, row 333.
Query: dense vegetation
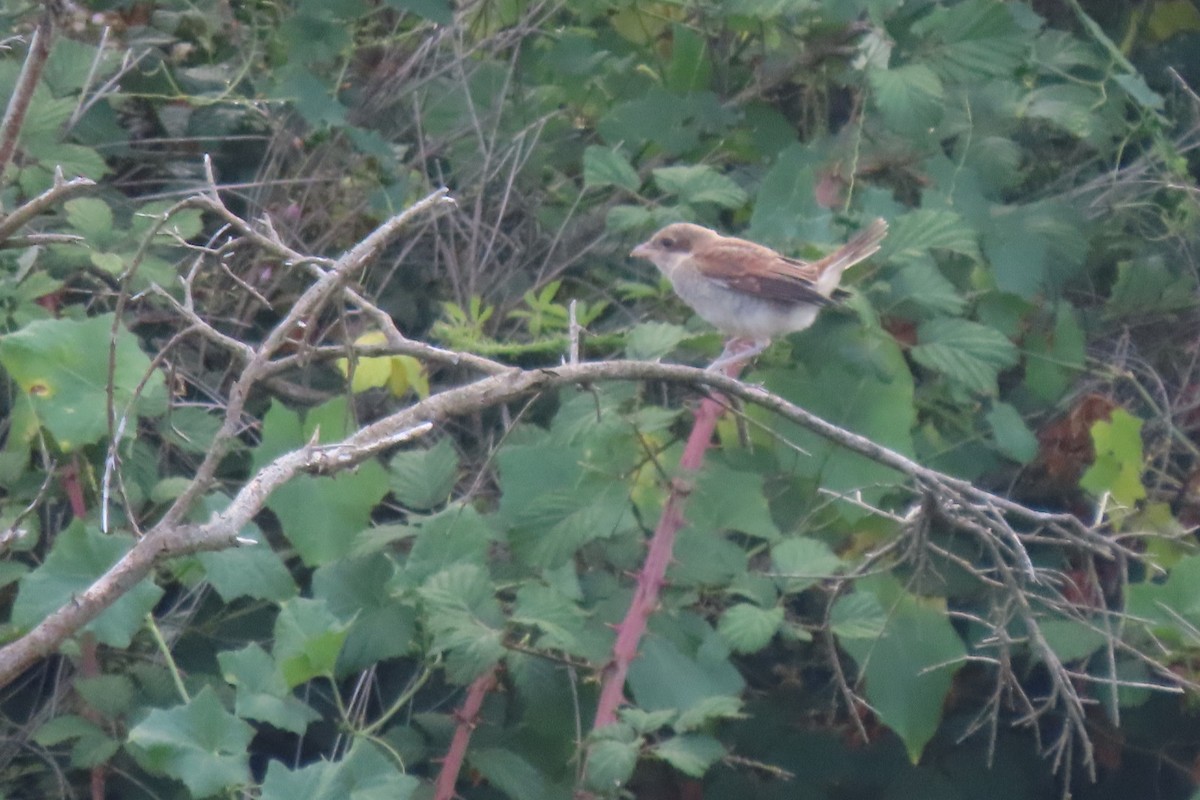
column 999, row 605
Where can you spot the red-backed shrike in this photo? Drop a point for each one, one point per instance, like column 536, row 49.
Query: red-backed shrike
column 749, row 291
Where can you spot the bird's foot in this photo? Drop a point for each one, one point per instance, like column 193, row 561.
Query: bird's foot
column 738, row 352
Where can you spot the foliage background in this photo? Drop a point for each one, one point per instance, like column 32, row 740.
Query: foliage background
column 1030, row 326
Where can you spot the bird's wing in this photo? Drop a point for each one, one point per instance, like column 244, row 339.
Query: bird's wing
column 753, row 269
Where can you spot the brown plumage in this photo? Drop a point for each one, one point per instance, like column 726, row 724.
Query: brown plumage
column 745, row 289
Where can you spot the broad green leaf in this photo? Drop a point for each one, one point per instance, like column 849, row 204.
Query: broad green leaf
column 367, row 772
column 868, row 389
column 918, row 232
column 700, row 183
column 62, row 367
column 1118, row 465
column 749, row 628
column 964, row 351
column 603, row 166
column 909, row 669
column 706, row 711
column 91, row 218
column 80, row 555
column 199, row 743
column 1069, row 106
column 910, row 98
column 649, row 341
column 919, row 283
column 323, row 516
column 1171, row 608
column 512, row 774
column 610, row 764
column 1071, row 639
column 857, row 615
column 972, row 39
column 690, row 753
column 691, row 65
column 261, row 692
column 358, row 592
column 92, row 745
column 1011, row 434
column 556, row 618
column 1148, row 287
column 423, row 479
column 465, row 620
column 785, row 208
column 800, row 562
column 671, row 123
column 455, row 534
column 252, row 570
column 727, row 499
column 664, row 676
column 1055, row 358
column 308, row 639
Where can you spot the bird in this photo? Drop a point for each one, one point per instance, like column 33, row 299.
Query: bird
column 747, row 290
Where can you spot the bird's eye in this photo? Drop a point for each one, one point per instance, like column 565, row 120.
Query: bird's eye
column 667, row 242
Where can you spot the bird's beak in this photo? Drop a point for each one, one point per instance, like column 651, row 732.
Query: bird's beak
column 641, row 251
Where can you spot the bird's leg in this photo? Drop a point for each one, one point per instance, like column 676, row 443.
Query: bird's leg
column 733, row 352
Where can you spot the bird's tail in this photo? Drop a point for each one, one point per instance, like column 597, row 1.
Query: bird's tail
column 864, row 245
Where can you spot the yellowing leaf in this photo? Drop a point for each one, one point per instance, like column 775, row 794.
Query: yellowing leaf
column 398, row 373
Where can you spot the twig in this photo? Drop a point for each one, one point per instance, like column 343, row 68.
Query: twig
column 31, row 72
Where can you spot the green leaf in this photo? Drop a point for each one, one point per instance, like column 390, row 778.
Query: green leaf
column 972, row 39
column 868, row 389
column 785, row 209
column 919, row 283
column 650, row 341
column 664, row 676
column 465, row 620
column 262, row 694
column 909, row 669
column 610, row 764
column 800, row 562
column 691, row 65
column 359, row 592
column 1070, row 639
column 423, row 479
column 456, row 534
column 1012, row 436
column 308, row 639
column 603, row 166
column 511, row 774
column 199, row 743
column 918, row 232
column 910, row 98
column 1069, row 106
column 91, row 218
column 700, row 183
column 857, row 615
column 79, row 556
column 366, row 773
column 708, row 710
column 691, row 753
column 92, row 746
column 964, row 351
column 1148, row 287
column 555, row 616
column 323, row 516
column 62, row 367
column 1118, row 465
column 727, row 499
column 749, row 628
